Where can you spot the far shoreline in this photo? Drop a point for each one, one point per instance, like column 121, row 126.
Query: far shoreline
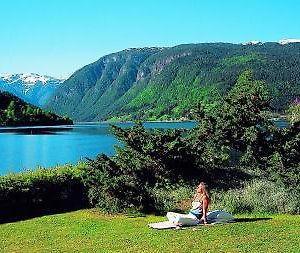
column 131, row 121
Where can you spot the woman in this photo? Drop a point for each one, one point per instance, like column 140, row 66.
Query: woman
column 198, row 213
column 200, row 203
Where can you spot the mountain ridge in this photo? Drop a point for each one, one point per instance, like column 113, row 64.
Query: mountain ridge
column 165, row 83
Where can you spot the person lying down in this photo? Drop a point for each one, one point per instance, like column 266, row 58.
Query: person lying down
column 198, row 214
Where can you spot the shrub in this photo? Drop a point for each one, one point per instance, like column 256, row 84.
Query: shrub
column 44, row 189
column 113, row 188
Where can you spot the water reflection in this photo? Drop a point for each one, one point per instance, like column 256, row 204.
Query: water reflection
column 35, row 130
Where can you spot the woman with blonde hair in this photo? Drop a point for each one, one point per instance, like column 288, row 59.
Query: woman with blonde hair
column 200, row 203
column 198, row 213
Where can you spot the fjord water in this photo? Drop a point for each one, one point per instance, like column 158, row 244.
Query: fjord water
column 24, row 148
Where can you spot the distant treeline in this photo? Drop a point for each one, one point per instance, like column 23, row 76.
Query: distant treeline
column 15, row 112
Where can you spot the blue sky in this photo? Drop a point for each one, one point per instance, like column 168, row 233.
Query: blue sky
column 57, row 37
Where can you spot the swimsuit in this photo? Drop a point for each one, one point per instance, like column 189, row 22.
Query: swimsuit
column 197, row 209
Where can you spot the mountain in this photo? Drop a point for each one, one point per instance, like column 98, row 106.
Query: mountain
column 166, row 83
column 252, row 42
column 32, row 88
column 288, row 41
column 16, row 112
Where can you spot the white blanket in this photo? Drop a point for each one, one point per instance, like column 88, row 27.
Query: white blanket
column 213, row 217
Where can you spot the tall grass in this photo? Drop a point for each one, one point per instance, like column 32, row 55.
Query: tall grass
column 176, row 198
column 257, row 196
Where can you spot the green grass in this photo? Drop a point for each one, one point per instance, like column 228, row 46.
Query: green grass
column 90, row 231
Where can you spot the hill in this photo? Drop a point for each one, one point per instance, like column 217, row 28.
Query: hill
column 15, row 112
column 166, row 83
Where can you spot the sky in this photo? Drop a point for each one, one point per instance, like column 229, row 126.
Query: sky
column 57, row 37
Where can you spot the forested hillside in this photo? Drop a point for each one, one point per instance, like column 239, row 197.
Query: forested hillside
column 166, row 83
column 15, row 112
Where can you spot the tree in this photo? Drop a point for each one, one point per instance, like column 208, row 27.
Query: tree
column 294, row 112
column 11, row 111
column 236, row 130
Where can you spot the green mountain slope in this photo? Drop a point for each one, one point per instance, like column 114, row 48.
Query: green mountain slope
column 15, row 112
column 164, row 83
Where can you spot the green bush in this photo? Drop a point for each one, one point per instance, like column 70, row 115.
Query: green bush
column 44, row 189
column 258, row 196
column 113, row 188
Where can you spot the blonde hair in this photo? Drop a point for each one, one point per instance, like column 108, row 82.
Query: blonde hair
column 204, row 189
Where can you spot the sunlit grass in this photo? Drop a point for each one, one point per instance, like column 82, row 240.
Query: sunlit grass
column 90, row 231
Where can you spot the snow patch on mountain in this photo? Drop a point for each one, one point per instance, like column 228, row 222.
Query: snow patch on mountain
column 33, row 88
column 281, row 42
column 252, row 42
column 288, row 41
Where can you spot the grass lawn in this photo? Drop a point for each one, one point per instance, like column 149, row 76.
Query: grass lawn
column 90, row 231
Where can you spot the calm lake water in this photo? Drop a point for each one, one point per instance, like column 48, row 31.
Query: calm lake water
column 24, row 148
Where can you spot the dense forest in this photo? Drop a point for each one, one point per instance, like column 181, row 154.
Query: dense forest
column 167, row 83
column 15, row 112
